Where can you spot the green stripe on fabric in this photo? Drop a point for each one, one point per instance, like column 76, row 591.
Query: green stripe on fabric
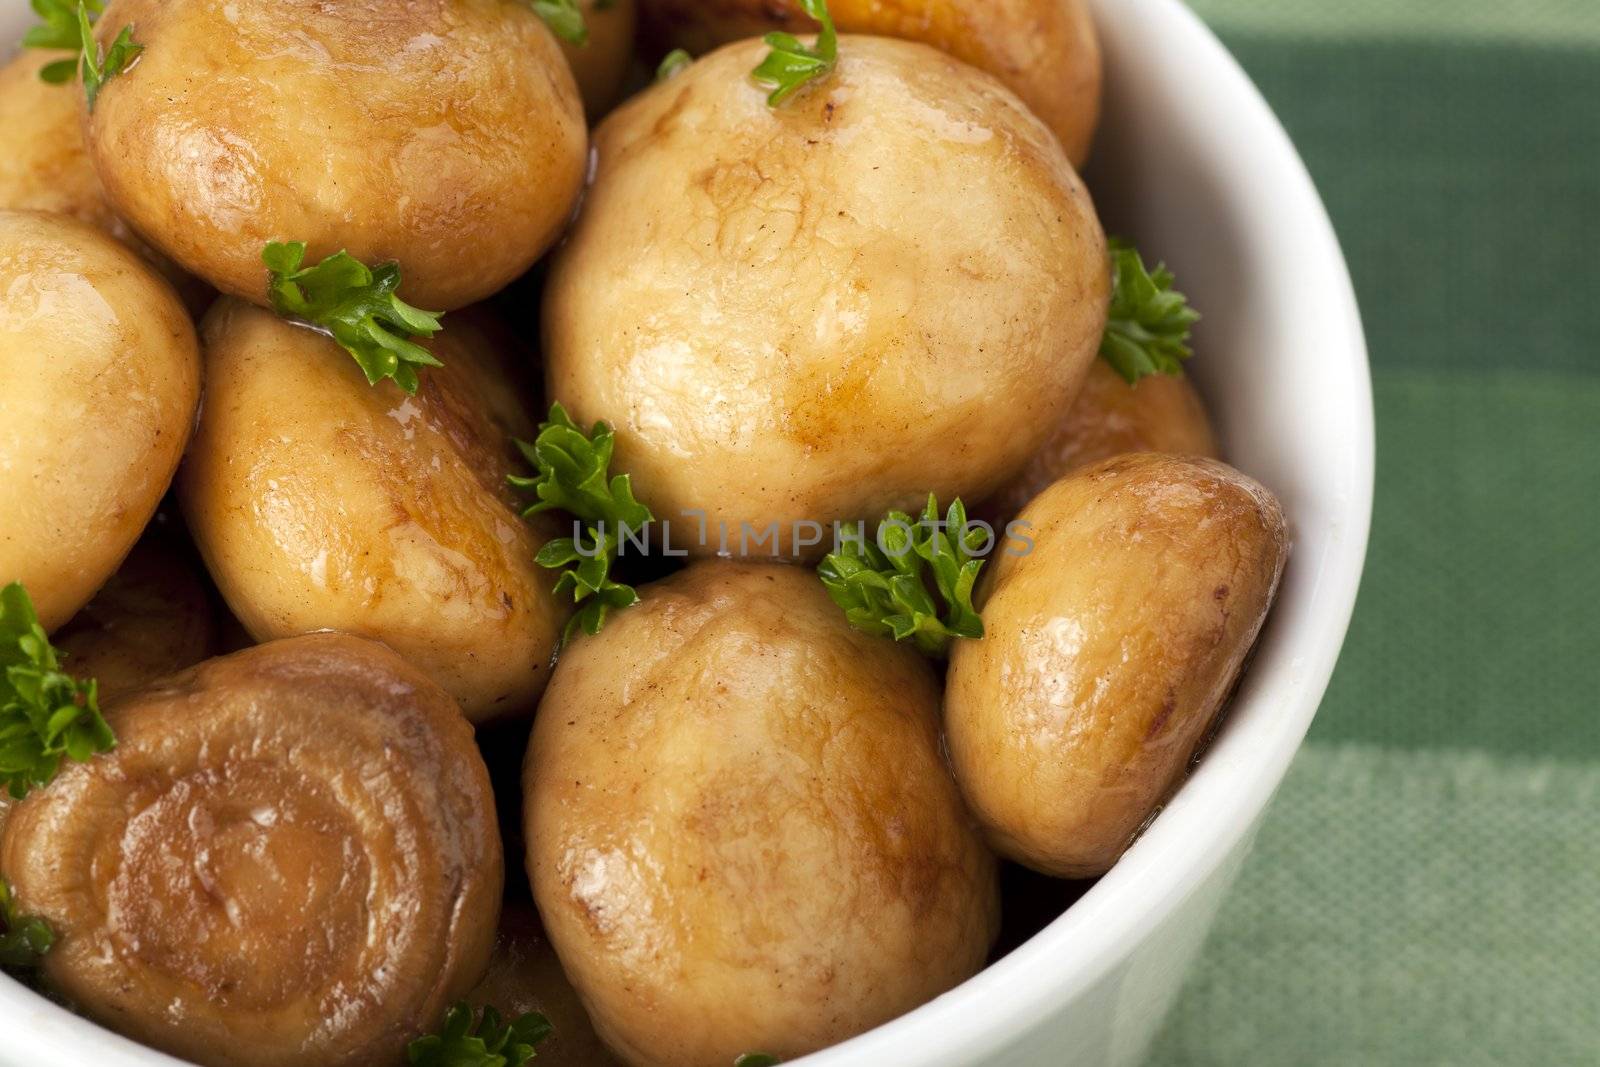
column 1462, row 180
column 1477, row 618
column 1549, row 21
column 1407, row 909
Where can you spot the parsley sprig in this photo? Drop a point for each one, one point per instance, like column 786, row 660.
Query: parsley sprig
column 674, row 62
column 1148, row 330
column 45, row 714
column 756, row 1059
column 358, row 306
column 564, row 18
column 486, row 1042
column 23, row 938
column 101, row 65
column 574, row 476
column 59, row 27
column 882, row 582
column 791, row 64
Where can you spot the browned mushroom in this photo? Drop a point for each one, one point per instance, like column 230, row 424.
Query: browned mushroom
column 600, row 65
column 1108, row 652
column 768, row 361
column 323, row 503
column 101, row 377
column 741, row 832
column 153, row 618
column 289, row 858
column 44, row 164
column 448, row 136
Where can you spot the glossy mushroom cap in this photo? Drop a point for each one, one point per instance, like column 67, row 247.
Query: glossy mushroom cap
column 290, row 858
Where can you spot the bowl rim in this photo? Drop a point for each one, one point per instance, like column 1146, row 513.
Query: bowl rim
column 1222, row 801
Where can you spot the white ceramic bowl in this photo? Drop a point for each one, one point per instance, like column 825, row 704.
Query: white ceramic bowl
column 1192, row 164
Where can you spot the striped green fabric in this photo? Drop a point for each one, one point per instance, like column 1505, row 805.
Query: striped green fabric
column 1555, row 21
column 1424, row 890
column 1409, row 907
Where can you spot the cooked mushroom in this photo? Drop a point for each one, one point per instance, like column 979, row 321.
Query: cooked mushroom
column 152, row 619
column 1161, row 413
column 761, row 303
column 447, row 136
column 741, row 832
column 44, row 165
column 1108, row 652
column 101, row 374
column 320, row 502
column 290, row 858
column 600, row 65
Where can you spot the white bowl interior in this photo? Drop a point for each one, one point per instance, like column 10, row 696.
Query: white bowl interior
column 1192, row 164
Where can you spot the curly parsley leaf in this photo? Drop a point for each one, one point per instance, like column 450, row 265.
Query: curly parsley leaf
column 756, row 1059
column 45, row 714
column 101, row 65
column 58, row 24
column 59, row 27
column 23, row 939
column 358, row 306
column 574, row 473
column 674, row 62
column 1148, row 329
column 60, row 72
column 574, row 476
column 564, row 18
column 791, row 65
column 485, row 1042
column 886, row 584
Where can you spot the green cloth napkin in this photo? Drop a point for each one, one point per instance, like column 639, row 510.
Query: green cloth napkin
column 1426, row 888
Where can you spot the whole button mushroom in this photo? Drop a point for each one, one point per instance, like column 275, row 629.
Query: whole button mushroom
column 891, row 284
column 741, row 832
column 447, row 136
column 289, row 860
column 323, row 503
column 101, row 374
column 1109, row 650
